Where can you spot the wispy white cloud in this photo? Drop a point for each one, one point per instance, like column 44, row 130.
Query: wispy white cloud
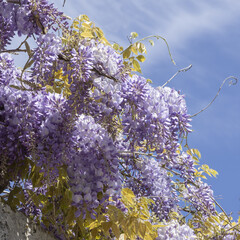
column 178, row 21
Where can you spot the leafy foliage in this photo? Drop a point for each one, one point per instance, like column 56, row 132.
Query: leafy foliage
column 89, row 149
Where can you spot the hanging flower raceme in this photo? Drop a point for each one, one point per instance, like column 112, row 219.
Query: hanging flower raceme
column 7, row 23
column 8, row 72
column 53, row 142
column 79, row 70
column 29, row 17
column 16, row 124
column 200, row 195
column 107, row 62
column 45, row 58
column 157, row 116
column 174, row 231
column 94, row 174
column 17, row 114
column 146, row 114
column 150, row 180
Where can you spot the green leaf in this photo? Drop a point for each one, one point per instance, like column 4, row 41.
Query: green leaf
column 151, row 42
column 12, row 195
column 28, row 64
column 142, row 48
column 133, row 35
column 106, row 226
column 136, row 66
column 141, row 58
column 127, row 52
column 116, row 230
column 29, row 52
column 128, row 193
column 142, row 228
column 134, row 49
column 87, row 34
column 115, row 46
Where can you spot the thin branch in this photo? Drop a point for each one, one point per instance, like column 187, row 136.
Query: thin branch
column 222, row 211
column 13, row 50
column 150, row 155
column 14, row 1
column 105, row 75
column 17, row 49
column 181, row 70
column 234, row 227
column 232, row 82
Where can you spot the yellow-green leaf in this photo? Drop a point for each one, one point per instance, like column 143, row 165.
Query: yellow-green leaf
column 83, row 17
column 134, row 49
column 115, row 46
column 141, row 58
column 87, row 25
column 142, row 229
column 134, row 35
column 136, row 66
column 127, row 52
column 151, row 42
column 87, row 34
column 195, row 151
column 116, row 230
column 142, row 48
column 93, row 225
column 128, row 192
column 213, row 172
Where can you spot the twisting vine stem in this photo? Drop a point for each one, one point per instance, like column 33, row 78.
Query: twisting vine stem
column 180, row 70
column 230, row 84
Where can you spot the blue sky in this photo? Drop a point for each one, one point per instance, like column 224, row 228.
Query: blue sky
column 202, row 33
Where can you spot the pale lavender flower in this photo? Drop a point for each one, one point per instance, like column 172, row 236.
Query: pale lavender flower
column 174, row 231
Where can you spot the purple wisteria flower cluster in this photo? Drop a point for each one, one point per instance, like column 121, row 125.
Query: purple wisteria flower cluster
column 153, row 181
column 45, row 57
column 174, row 231
column 94, row 174
column 111, row 131
column 156, row 116
column 201, row 196
column 27, row 17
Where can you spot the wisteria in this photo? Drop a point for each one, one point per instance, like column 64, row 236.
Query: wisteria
column 79, row 129
column 201, row 196
column 151, row 180
column 15, row 124
column 29, row 17
column 107, row 61
column 8, row 71
column 45, row 56
column 94, row 174
column 174, row 231
column 8, row 23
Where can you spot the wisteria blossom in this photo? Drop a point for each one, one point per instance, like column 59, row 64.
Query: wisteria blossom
column 112, row 130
